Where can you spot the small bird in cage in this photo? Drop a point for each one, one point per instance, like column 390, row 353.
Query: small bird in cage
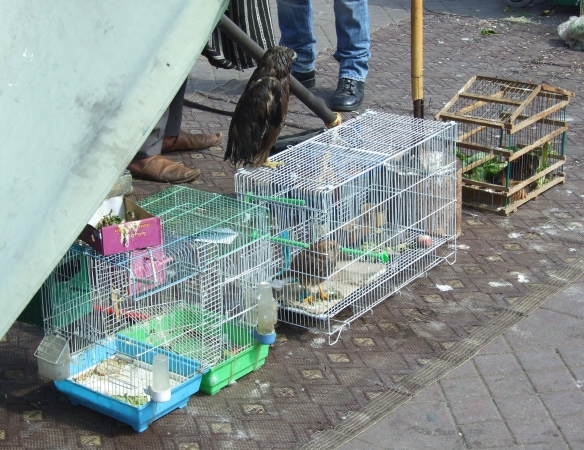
column 261, row 110
column 315, row 264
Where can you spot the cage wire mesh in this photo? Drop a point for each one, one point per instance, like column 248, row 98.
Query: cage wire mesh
column 511, row 140
column 118, row 311
column 357, row 213
column 239, row 232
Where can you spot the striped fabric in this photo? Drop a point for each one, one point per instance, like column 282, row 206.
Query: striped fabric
column 253, row 17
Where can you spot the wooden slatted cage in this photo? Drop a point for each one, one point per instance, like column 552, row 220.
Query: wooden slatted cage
column 511, row 140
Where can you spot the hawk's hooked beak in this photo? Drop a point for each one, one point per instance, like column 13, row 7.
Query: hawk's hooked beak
column 294, row 56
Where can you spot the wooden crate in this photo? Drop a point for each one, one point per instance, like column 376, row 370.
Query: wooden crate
column 511, row 140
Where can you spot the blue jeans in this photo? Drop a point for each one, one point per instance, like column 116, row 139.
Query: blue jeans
column 352, row 27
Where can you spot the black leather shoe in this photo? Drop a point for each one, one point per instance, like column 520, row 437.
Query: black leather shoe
column 349, row 95
column 307, row 79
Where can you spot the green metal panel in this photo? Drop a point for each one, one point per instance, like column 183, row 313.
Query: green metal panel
column 82, row 83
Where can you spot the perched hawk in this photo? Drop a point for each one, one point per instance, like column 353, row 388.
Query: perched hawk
column 261, row 110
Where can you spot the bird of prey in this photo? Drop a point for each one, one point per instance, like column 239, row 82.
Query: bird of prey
column 261, row 110
column 313, row 265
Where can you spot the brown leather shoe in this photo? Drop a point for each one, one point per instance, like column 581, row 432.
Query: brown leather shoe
column 164, row 170
column 189, row 141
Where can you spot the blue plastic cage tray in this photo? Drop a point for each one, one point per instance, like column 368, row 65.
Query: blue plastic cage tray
column 185, row 373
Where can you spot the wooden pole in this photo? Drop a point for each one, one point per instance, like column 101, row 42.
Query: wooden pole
column 418, row 58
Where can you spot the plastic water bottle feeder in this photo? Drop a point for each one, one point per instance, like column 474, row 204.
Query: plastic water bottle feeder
column 267, row 315
column 159, row 390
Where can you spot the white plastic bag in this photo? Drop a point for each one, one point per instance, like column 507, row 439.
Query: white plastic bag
column 572, row 32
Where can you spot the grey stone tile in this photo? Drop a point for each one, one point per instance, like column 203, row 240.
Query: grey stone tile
column 324, row 17
column 521, row 407
column 502, row 386
column 540, row 360
column 460, row 10
column 487, row 434
column 572, row 427
column 546, row 329
column 497, row 364
column 534, row 430
column 496, row 347
column 553, row 380
column 464, row 388
column 569, row 301
column 414, row 426
column 473, row 410
column 564, row 403
column 573, row 356
column 466, row 370
column 330, row 31
column 548, row 446
column 579, row 374
column 577, row 445
column 358, row 444
column 432, row 393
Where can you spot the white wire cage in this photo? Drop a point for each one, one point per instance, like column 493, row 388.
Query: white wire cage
column 239, row 231
column 115, row 313
column 357, row 212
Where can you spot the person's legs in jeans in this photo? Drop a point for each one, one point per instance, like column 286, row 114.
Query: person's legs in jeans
column 295, row 19
column 353, row 40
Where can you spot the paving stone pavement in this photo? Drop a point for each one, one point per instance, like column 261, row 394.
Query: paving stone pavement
column 524, row 390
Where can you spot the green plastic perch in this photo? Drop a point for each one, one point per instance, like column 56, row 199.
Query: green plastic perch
column 289, row 201
column 383, row 256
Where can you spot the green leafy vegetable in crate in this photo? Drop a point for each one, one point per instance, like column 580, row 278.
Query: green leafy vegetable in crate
column 487, row 171
column 108, row 220
column 543, row 156
column 134, row 400
column 487, row 168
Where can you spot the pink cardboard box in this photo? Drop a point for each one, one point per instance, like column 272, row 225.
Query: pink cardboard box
column 140, row 231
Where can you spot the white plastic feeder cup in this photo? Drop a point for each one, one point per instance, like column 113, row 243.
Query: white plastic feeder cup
column 267, row 315
column 160, row 388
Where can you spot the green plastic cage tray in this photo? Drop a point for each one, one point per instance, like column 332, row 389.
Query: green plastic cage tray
column 233, row 368
column 227, row 347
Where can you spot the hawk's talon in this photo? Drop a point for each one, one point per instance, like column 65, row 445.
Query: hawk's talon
column 273, row 165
